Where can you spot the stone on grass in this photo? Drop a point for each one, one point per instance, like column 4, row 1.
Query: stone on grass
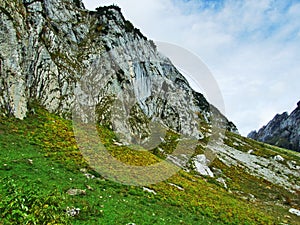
column 278, row 158
column 76, row 192
column 72, row 211
column 176, row 186
column 149, row 190
column 294, row 211
column 222, row 181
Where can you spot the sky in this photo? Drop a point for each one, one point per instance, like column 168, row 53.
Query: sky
column 251, row 47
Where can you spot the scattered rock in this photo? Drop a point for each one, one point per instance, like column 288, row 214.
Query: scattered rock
column 6, row 167
column 89, row 187
column 149, row 190
column 83, row 170
column 160, row 149
column 293, row 165
column 118, row 143
column 266, row 168
column 89, row 176
column 278, row 158
column 179, row 160
column 201, row 165
column 222, row 181
column 178, row 187
column 76, row 192
column 294, row 211
column 251, row 198
column 250, row 151
column 72, row 211
column 236, row 144
column 217, row 172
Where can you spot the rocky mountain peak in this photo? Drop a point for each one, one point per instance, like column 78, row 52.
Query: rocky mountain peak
column 283, row 130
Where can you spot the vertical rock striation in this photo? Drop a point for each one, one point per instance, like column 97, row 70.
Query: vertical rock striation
column 55, row 51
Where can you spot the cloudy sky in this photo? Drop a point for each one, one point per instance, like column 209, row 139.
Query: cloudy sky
column 251, row 47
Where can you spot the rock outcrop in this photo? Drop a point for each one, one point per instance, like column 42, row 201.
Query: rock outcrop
column 283, row 131
column 59, row 55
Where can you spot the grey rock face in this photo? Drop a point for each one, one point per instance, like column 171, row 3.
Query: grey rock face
column 283, row 130
column 55, row 53
column 39, row 54
column 277, row 172
column 201, row 165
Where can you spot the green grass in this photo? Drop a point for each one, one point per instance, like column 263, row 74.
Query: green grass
column 40, row 161
column 48, row 177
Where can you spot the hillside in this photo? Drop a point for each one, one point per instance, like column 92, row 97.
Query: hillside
column 283, row 131
column 40, row 163
column 98, row 127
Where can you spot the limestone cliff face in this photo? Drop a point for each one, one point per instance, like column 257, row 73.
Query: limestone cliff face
column 40, row 54
column 283, row 130
column 56, row 53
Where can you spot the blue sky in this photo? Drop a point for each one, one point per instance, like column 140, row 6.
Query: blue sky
column 251, row 47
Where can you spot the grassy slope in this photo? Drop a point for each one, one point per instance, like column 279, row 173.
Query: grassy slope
column 35, row 191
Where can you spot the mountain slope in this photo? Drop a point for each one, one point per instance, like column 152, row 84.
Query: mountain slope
column 283, row 131
column 58, row 60
column 40, row 162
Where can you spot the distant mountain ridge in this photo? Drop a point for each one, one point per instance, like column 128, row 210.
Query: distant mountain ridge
column 283, row 131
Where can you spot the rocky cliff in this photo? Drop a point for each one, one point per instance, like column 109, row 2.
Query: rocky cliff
column 283, row 131
column 55, row 53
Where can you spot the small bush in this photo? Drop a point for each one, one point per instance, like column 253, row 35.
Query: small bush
column 129, row 26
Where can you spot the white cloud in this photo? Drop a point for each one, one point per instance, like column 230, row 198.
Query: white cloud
column 251, row 47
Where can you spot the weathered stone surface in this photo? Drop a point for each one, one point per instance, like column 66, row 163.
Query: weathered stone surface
column 269, row 169
column 72, row 211
column 294, row 211
column 76, row 192
column 278, row 158
column 55, row 51
column 201, row 165
column 283, row 130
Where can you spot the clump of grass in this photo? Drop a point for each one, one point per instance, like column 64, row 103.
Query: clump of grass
column 26, row 204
